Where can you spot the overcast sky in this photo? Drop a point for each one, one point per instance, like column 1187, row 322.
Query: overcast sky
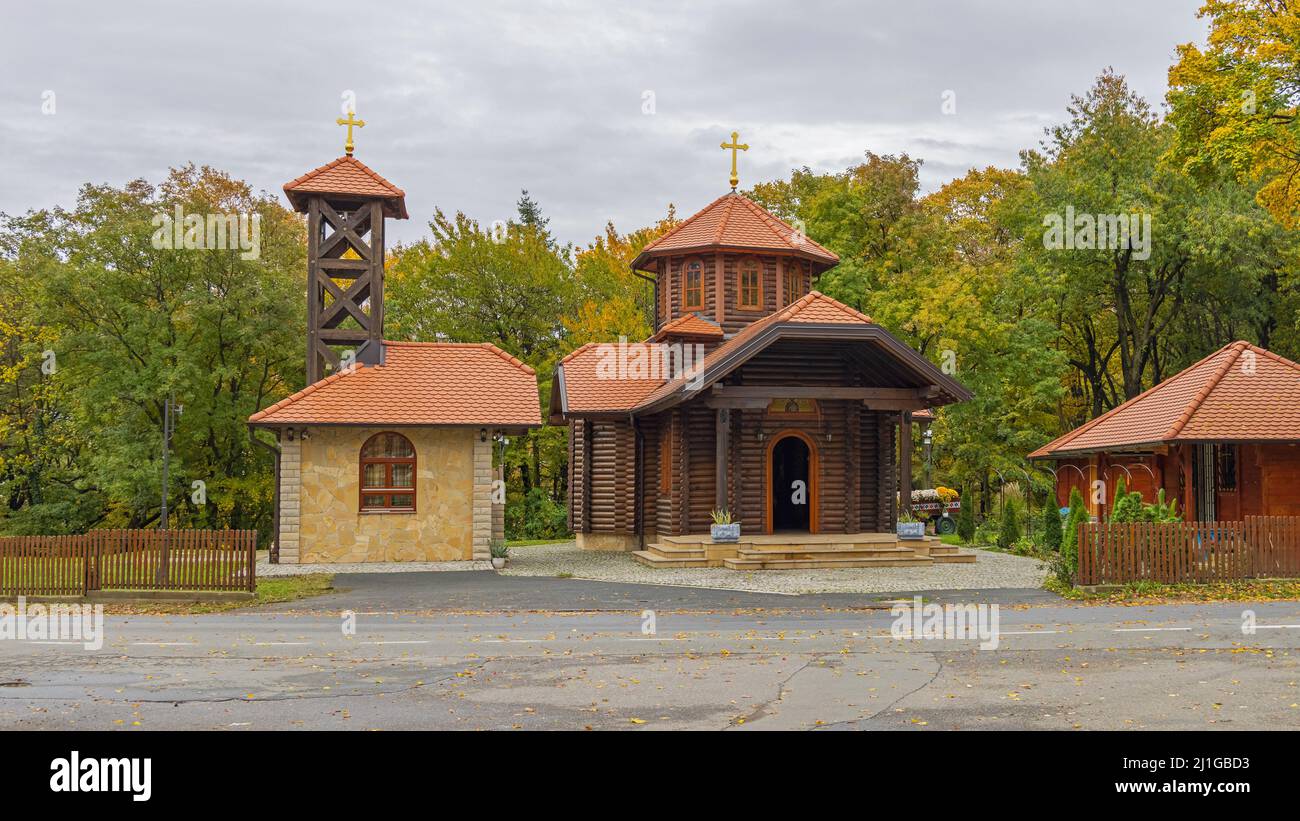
column 468, row 102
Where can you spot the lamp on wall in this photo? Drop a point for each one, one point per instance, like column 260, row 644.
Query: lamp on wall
column 482, row 434
column 761, row 436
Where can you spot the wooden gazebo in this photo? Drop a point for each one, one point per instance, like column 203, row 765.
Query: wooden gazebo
column 1222, row 437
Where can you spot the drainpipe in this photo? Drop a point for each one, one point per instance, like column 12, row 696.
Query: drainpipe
column 275, row 495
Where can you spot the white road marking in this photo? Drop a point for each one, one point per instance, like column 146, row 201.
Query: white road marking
column 1277, row 627
column 408, row 641
column 1146, row 629
column 163, row 643
column 1027, row 632
column 278, row 643
column 55, row 642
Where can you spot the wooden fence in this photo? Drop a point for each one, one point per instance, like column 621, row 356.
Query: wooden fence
column 1174, row 552
column 174, row 560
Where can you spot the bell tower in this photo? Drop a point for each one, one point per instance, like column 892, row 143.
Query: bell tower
column 346, row 204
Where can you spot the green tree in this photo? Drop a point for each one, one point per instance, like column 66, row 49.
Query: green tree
column 130, row 323
column 1051, row 526
column 1009, row 531
column 1077, row 516
column 966, row 519
column 1234, row 103
column 1121, row 490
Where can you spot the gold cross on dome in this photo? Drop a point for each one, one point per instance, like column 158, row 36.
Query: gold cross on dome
column 349, row 122
column 734, row 146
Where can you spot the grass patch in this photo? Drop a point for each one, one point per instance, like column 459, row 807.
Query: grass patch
column 955, row 540
column 1139, row 593
column 535, row 542
column 272, row 590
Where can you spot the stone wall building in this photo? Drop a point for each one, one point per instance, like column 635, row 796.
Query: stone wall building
column 387, row 454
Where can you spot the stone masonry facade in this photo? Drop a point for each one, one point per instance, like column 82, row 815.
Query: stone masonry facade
column 320, row 521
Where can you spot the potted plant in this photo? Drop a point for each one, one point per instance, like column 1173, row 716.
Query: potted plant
column 499, row 554
column 909, row 527
column 723, row 529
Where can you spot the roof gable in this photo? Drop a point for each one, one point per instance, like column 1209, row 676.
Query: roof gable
column 689, row 325
column 581, row 389
column 736, row 222
column 347, row 177
column 419, row 383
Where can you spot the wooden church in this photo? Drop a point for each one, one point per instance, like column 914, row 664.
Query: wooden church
column 761, row 397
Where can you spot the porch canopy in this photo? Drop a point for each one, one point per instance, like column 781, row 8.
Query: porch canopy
column 907, row 381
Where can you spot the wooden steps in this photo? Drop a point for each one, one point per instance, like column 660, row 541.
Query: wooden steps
column 799, row 552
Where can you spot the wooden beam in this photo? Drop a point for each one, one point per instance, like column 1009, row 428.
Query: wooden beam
column 751, row 403
column 721, row 437
column 893, row 404
column 720, row 289
column 905, row 461
column 815, row 392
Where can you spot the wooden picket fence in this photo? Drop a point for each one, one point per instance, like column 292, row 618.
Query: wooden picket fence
column 1174, row 552
column 172, row 560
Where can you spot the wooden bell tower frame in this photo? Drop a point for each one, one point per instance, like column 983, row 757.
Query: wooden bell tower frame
column 346, row 204
column 340, row 288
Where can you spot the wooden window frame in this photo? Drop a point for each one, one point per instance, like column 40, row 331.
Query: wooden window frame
column 757, row 304
column 687, row 305
column 389, row 491
column 792, row 281
column 1231, row 454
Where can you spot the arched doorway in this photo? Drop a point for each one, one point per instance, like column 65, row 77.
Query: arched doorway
column 791, row 483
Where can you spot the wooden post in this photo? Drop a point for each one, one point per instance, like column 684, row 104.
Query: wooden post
column 721, row 436
column 1093, row 467
column 1189, row 483
column 905, row 462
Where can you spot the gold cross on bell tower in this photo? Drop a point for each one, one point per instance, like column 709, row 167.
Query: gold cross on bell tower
column 734, row 146
column 349, row 122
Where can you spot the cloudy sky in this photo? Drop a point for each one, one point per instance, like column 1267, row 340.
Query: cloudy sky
column 468, row 102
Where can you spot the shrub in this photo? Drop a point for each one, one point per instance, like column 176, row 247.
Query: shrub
column 1009, row 532
column 536, row 516
column 1160, row 511
column 966, row 519
column 1069, row 543
column 1128, row 508
column 1051, row 527
column 1121, row 492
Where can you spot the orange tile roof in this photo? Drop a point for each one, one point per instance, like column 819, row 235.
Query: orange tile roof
column 346, row 176
column 689, row 325
column 587, row 391
column 420, row 383
column 735, row 221
column 593, row 381
column 1241, row 392
column 813, row 307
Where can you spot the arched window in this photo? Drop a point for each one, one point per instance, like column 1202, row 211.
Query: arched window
column 751, row 284
column 388, row 473
column 692, row 285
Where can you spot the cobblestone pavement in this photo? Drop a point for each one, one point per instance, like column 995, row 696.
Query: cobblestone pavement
column 990, row 570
